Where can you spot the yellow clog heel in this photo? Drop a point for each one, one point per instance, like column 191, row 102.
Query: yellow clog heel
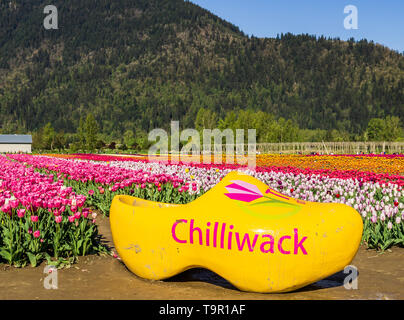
column 254, row 237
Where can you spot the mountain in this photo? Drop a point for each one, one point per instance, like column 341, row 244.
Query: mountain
column 140, row 63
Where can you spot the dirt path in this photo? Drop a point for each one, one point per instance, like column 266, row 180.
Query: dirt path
column 381, row 276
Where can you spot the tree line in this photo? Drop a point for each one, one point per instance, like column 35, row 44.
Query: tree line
column 88, row 138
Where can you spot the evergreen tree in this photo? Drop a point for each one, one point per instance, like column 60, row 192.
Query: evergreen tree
column 81, row 134
column 37, row 139
column 387, row 129
column 205, row 119
column 60, row 140
column 48, row 136
column 376, row 129
column 393, row 128
column 91, row 128
column 129, row 138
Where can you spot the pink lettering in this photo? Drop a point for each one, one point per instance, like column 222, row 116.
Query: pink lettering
column 215, row 234
column 191, row 233
column 270, row 242
column 243, row 240
column 299, row 244
column 229, row 238
column 173, row 230
column 280, row 244
column 222, row 236
column 246, row 239
column 207, row 234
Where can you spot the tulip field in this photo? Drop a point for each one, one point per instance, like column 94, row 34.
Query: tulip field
column 41, row 218
column 48, row 203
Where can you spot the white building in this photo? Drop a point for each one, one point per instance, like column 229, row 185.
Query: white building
column 12, row 143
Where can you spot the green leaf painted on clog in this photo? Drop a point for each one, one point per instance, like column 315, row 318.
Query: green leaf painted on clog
column 249, row 210
column 278, row 202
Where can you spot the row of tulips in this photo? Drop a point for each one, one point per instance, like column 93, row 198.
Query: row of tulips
column 40, row 218
column 377, row 199
column 386, row 169
column 101, row 182
column 372, row 163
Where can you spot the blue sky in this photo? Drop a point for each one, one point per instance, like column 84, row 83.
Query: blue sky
column 380, row 21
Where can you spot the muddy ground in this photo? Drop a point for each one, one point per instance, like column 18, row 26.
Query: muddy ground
column 381, row 276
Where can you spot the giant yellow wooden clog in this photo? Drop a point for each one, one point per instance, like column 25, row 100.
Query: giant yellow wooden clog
column 254, row 237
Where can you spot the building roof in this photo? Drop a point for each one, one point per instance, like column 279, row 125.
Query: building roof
column 15, row 138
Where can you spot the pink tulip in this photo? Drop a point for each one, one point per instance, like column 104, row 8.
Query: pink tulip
column 37, row 234
column 20, row 213
column 34, row 218
column 58, row 219
column 85, row 213
column 6, row 208
column 14, row 203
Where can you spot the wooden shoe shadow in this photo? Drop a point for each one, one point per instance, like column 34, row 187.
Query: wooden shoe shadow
column 205, row 275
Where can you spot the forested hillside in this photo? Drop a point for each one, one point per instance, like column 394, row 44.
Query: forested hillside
column 137, row 64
